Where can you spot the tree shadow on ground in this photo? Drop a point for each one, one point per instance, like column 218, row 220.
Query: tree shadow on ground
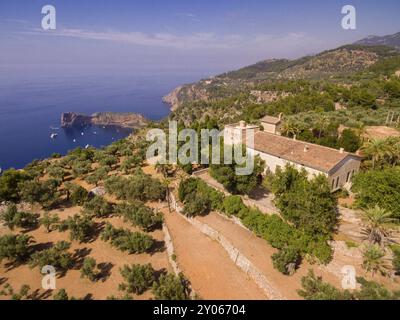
column 259, row 193
column 88, row 296
column 3, row 280
column 40, row 295
column 104, row 271
column 158, row 246
column 10, row 265
column 159, row 273
column 79, row 255
column 95, row 232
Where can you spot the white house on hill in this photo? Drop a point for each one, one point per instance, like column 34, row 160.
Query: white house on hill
column 277, row 151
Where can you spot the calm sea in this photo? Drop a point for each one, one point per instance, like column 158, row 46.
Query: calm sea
column 31, row 103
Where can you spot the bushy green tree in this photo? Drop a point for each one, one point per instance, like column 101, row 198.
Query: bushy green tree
column 170, row 287
column 232, row 205
column 137, row 187
column 396, row 258
column 61, row 295
column 140, row 215
column 57, row 172
column 315, row 289
column 286, row 260
column 97, row 176
column 308, row 204
column 378, row 187
column 125, row 240
column 109, row 160
column 49, row 221
column 349, row 141
column 235, row 183
column 15, row 248
column 97, row 207
column 43, row 192
column 77, row 194
column 88, row 269
column 196, row 205
column 56, row 256
column 13, row 218
column 10, row 182
column 79, row 226
column 138, row 278
column 80, row 168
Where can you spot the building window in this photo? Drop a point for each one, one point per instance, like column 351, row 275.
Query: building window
column 348, row 176
column 333, row 183
column 337, row 182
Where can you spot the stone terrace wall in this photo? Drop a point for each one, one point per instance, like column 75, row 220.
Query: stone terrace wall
column 236, row 256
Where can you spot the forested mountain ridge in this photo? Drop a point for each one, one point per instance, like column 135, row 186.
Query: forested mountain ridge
column 392, row 40
column 352, row 76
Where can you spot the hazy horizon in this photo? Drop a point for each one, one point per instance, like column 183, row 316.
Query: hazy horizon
column 208, row 37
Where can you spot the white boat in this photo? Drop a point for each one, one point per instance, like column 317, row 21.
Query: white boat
column 81, row 133
column 53, row 135
column 87, row 146
column 74, row 140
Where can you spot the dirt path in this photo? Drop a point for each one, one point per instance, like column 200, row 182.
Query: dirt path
column 259, row 253
column 207, row 265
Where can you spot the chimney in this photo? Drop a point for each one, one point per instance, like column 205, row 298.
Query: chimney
column 242, row 124
column 306, row 148
column 341, row 150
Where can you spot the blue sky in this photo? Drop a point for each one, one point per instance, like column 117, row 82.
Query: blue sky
column 212, row 35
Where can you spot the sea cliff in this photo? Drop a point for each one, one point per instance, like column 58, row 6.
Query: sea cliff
column 127, row 120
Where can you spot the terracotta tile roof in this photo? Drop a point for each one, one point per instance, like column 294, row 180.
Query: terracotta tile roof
column 310, row 155
column 272, row 120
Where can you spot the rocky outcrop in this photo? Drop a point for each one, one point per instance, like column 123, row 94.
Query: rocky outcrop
column 188, row 93
column 127, row 120
column 172, row 99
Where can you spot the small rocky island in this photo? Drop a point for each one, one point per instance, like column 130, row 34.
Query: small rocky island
column 126, row 120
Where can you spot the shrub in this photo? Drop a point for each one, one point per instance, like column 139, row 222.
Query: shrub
column 232, row 205
column 138, row 278
column 88, row 269
column 13, row 218
column 137, row 187
column 43, row 192
column 97, row 207
column 79, row 227
column 140, row 215
column 56, row 256
column 77, row 194
column 125, row 240
column 10, row 181
column 307, row 204
column 378, row 187
column 48, row 221
column 315, row 289
column 61, row 295
column 196, row 204
column 198, row 197
column 286, row 260
column 14, row 247
column 396, row 259
column 238, row 184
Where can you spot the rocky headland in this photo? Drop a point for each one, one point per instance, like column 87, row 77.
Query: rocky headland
column 126, row 120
